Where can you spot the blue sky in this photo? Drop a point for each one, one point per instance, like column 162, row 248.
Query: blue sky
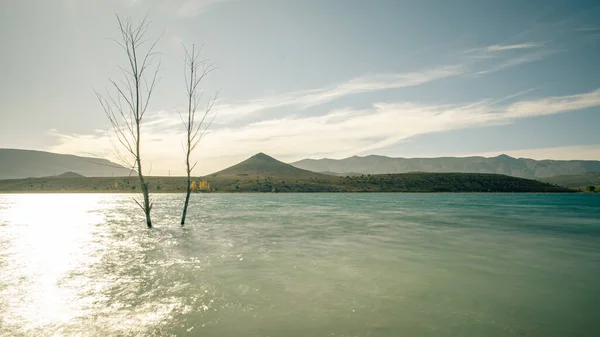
column 316, row 78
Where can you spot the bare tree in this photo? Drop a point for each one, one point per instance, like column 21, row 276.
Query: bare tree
column 196, row 70
column 126, row 106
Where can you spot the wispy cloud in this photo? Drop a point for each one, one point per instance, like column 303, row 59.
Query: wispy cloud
column 311, row 98
column 517, row 60
column 499, row 50
column 587, row 29
column 498, row 57
column 339, row 133
column 552, row 105
column 497, row 47
column 470, row 64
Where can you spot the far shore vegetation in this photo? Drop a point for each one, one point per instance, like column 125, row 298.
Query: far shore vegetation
column 403, row 182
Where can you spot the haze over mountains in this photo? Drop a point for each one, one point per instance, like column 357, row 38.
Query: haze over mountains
column 575, row 180
column 18, row 164
column 262, row 173
column 503, row 164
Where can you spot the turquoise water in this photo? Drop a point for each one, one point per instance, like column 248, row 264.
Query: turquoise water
column 301, row 265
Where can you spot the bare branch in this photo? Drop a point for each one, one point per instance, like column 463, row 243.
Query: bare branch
column 150, row 90
column 195, row 72
column 125, row 108
column 209, row 107
column 139, row 204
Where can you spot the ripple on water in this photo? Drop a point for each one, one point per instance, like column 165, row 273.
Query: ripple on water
column 300, row 265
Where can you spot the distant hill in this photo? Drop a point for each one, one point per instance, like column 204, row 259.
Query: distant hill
column 503, row 164
column 262, row 173
column 338, row 174
column 262, row 165
column 575, row 180
column 68, row 175
column 17, row 164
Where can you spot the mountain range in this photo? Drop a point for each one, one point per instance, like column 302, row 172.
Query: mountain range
column 503, row 164
column 262, row 173
column 19, row 164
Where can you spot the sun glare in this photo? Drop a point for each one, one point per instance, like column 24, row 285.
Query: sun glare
column 50, row 236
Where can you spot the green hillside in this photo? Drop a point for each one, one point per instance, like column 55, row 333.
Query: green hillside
column 580, row 181
column 401, row 182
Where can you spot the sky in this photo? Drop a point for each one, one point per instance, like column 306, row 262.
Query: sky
column 313, row 78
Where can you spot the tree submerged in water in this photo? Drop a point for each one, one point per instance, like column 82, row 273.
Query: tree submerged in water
column 196, row 70
column 126, row 106
column 126, row 101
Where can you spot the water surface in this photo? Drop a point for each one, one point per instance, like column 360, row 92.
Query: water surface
column 301, row 265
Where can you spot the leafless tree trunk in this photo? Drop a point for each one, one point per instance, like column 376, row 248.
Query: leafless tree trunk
column 127, row 105
column 196, row 70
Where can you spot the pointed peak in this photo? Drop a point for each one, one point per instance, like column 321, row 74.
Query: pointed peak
column 262, row 164
column 68, row 174
column 261, row 155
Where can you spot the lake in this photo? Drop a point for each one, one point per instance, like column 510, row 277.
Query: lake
column 297, row 265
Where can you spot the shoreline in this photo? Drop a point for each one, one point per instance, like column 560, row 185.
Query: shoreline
column 292, row 192
column 234, row 183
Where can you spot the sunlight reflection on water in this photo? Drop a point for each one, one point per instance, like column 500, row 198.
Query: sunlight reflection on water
column 42, row 254
column 299, row 265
